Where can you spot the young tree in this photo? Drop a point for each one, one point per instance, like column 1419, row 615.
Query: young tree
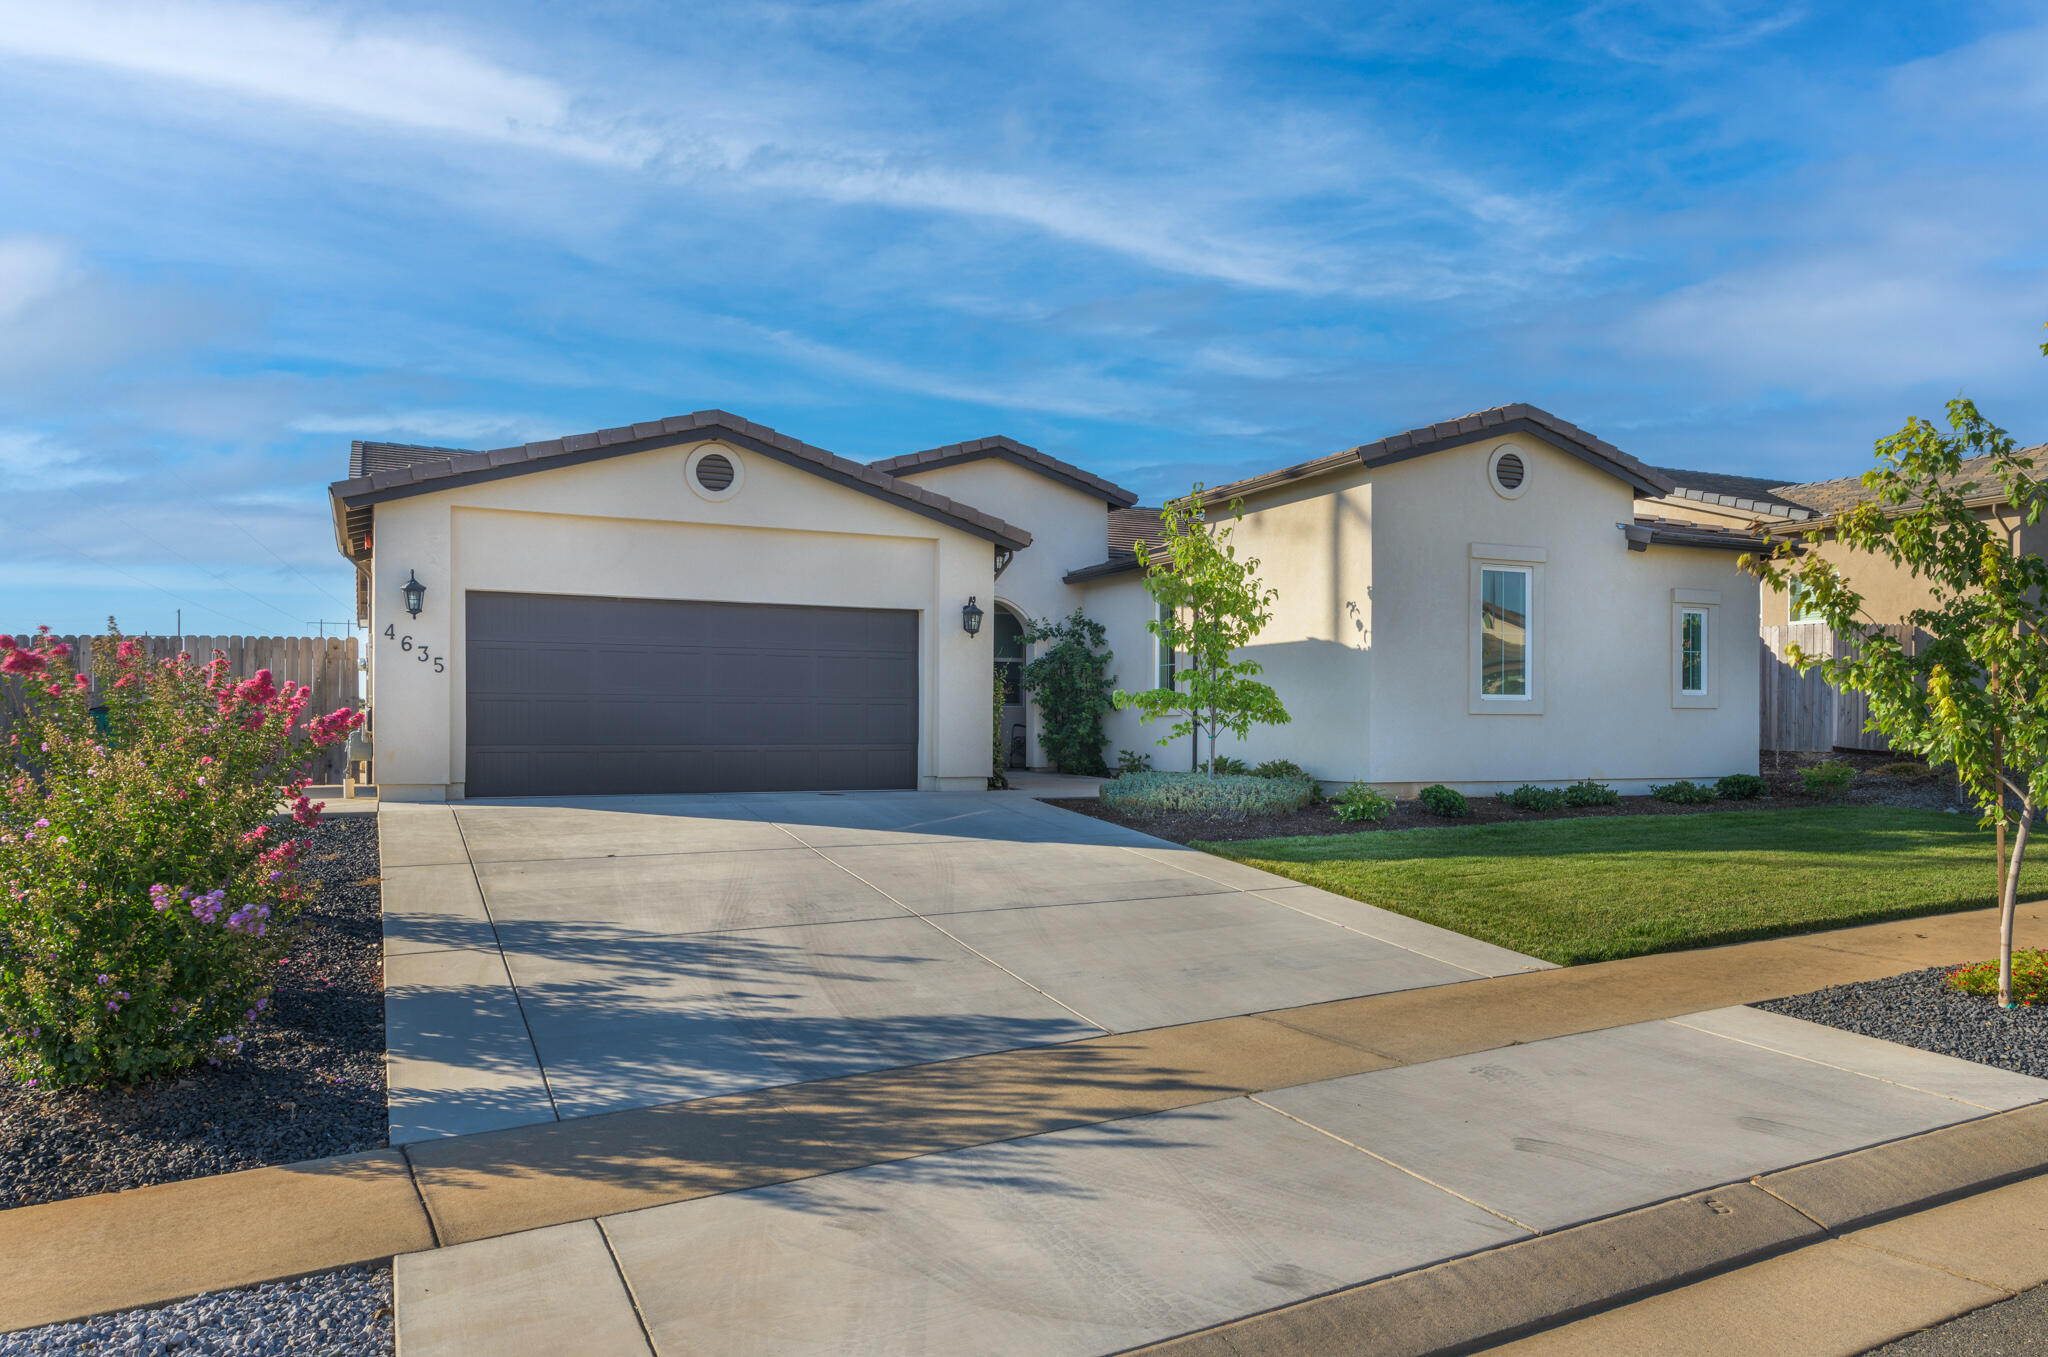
column 1211, row 606
column 1974, row 693
column 1070, row 683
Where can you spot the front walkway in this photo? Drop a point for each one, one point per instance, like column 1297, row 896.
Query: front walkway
column 616, row 954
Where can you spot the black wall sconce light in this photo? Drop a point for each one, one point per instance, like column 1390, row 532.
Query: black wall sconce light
column 415, row 593
column 970, row 617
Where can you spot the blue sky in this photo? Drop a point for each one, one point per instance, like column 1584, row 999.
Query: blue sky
column 1167, row 243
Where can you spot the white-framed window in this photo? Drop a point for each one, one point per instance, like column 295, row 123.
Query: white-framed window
column 1692, row 650
column 1799, row 605
column 1505, row 598
column 1162, row 653
column 1695, row 646
column 1505, row 621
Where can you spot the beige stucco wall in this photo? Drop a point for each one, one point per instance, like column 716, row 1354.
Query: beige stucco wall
column 1889, row 591
column 632, row 527
column 1371, row 639
column 1069, row 529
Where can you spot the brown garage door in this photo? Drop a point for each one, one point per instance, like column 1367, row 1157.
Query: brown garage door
column 585, row 696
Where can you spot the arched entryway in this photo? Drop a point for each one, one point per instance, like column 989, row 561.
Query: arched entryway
column 1009, row 655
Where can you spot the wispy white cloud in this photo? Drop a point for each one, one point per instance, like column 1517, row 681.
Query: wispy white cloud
column 34, row 461
column 314, row 58
column 450, row 428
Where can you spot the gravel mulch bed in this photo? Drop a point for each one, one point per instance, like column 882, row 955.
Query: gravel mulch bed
column 346, row 1313
column 308, row 1083
column 1917, row 1009
column 1871, row 788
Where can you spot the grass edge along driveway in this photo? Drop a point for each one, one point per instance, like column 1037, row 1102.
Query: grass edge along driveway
column 1604, row 887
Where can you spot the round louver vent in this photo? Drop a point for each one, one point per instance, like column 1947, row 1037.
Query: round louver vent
column 1508, row 471
column 715, row 473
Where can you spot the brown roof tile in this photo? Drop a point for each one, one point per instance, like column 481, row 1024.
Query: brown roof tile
column 395, row 469
column 1008, row 449
column 1397, row 447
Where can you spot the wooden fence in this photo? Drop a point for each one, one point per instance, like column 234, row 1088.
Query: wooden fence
column 328, row 665
column 1800, row 711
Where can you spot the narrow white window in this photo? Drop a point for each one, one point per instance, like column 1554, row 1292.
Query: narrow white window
column 1504, row 632
column 1692, row 650
column 1162, row 652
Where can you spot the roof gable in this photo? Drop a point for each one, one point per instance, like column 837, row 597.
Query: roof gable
column 1018, row 454
column 451, row 468
column 1504, row 419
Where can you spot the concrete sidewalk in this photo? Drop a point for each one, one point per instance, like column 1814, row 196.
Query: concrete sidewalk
column 1103, row 1238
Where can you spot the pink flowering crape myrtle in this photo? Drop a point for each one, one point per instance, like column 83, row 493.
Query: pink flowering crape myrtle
column 150, row 861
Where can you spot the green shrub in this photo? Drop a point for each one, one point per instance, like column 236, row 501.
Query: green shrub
column 1903, row 768
column 145, row 870
column 1282, row 768
column 1361, row 802
column 1741, row 787
column 1591, row 793
column 1828, row 781
column 1231, row 795
column 1684, row 793
column 1131, row 761
column 1070, row 684
column 1438, row 799
column 1527, row 797
column 1226, row 766
column 2029, row 977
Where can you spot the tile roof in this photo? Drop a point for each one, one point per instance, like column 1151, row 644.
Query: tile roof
column 1806, row 500
column 451, row 467
column 1520, row 417
column 1129, row 526
column 1673, row 532
column 366, row 458
column 1009, row 450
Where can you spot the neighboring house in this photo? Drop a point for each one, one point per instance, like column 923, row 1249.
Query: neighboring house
column 1760, row 504
column 704, row 604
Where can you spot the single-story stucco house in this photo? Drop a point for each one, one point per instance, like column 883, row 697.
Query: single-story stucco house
column 704, row 604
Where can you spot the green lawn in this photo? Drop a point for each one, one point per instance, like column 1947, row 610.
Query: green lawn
column 1597, row 888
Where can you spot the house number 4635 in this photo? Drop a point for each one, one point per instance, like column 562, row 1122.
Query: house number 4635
column 418, row 651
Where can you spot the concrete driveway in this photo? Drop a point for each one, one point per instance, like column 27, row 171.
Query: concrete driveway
column 559, row 958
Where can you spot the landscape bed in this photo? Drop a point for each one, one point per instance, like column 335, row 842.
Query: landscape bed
column 308, row 1083
column 1919, row 1009
column 1594, row 889
column 1872, row 787
column 344, row 1313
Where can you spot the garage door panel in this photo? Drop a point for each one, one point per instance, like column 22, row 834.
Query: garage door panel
column 570, row 696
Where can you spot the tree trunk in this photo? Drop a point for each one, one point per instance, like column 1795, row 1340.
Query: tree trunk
column 2008, row 902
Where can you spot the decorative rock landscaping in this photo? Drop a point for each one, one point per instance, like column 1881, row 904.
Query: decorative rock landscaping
column 308, row 1083
column 1918, row 1009
column 346, row 1313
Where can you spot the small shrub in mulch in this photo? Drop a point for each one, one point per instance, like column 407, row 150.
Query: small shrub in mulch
column 1741, row 787
column 1228, row 795
column 1361, row 803
column 1827, row 781
column 2029, row 977
column 1441, row 800
column 1591, row 793
column 1684, row 792
column 1530, row 797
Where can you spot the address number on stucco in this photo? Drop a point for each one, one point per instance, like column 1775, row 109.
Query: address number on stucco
column 418, row 651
